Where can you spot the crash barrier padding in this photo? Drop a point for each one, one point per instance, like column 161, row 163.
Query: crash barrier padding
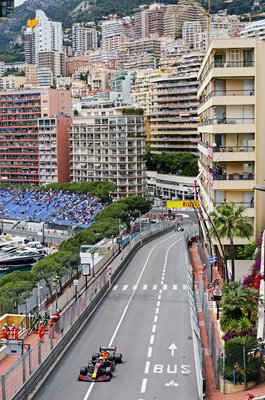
column 35, row 381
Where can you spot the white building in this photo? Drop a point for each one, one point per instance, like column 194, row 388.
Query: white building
column 46, row 36
column 108, row 144
column 169, row 186
column 2, row 68
column 45, row 77
column 84, row 38
column 255, row 29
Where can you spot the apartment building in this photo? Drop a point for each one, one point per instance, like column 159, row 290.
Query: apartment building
column 84, row 38
column 232, row 120
column 108, row 144
column 149, row 23
column 142, row 53
column 255, row 30
column 173, row 113
column 54, row 60
column 34, row 136
column 186, row 10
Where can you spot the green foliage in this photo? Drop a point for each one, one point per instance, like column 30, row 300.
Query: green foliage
column 132, row 111
column 240, row 360
column 230, row 223
column 15, row 288
column 184, row 164
column 246, row 252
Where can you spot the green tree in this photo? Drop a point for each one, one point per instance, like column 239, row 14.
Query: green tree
column 230, row 223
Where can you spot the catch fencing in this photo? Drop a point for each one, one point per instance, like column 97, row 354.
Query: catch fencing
column 32, row 367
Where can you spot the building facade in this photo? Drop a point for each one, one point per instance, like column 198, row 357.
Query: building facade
column 34, row 136
column 84, row 38
column 173, row 110
column 232, row 119
column 149, row 23
column 169, row 186
column 142, row 53
column 108, row 145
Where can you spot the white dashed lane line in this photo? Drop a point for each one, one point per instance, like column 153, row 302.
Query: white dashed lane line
column 147, row 366
column 143, row 387
column 149, row 353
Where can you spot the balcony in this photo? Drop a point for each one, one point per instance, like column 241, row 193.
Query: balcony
column 227, row 64
column 227, row 93
column 233, row 182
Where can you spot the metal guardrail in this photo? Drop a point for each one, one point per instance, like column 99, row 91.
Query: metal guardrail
column 28, row 374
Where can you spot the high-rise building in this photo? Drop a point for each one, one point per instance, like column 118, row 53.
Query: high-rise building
column 45, row 36
column 2, row 68
column 173, row 110
column 84, row 38
column 114, row 33
column 34, row 136
column 142, row 53
column 149, row 23
column 232, row 120
column 186, row 10
column 108, row 144
column 54, row 60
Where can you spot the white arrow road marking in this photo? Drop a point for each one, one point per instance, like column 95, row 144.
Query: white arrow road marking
column 172, row 348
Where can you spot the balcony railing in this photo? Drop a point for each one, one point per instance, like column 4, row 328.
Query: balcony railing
column 234, row 177
column 245, row 204
column 227, row 93
column 231, row 149
column 227, row 64
column 227, row 121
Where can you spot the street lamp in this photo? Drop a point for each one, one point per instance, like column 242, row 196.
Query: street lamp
column 55, row 282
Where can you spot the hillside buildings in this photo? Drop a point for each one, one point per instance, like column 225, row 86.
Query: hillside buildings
column 34, row 136
column 108, row 144
column 84, row 38
column 232, row 120
column 142, row 53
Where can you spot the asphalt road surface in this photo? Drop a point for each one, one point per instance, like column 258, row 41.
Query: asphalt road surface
column 146, row 315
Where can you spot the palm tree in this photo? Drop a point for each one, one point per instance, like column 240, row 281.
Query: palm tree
column 230, row 223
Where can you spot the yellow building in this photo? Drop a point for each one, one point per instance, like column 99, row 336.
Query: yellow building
column 232, row 120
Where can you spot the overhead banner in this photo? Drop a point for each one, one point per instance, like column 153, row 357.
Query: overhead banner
column 183, row 204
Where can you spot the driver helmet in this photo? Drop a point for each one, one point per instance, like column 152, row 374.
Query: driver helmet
column 105, row 354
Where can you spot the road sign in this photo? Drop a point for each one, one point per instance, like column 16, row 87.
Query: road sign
column 211, row 259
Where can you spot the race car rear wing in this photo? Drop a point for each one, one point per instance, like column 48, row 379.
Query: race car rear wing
column 107, row 348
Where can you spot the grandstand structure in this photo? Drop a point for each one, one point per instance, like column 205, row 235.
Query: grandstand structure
column 58, row 208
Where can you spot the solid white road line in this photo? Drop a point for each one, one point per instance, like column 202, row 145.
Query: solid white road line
column 149, row 353
column 147, row 366
column 152, row 339
column 115, row 287
column 125, row 287
column 143, row 387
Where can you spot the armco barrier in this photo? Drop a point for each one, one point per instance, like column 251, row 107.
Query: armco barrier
column 35, row 365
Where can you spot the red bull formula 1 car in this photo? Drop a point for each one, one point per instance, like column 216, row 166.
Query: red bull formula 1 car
column 102, row 365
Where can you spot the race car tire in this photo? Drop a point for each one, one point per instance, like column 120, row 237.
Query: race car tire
column 108, row 371
column 83, row 370
column 118, row 358
column 95, row 356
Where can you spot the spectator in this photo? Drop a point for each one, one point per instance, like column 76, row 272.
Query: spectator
column 41, row 331
column 14, row 332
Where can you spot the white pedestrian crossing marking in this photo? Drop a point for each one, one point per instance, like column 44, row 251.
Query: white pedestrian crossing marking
column 154, row 287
